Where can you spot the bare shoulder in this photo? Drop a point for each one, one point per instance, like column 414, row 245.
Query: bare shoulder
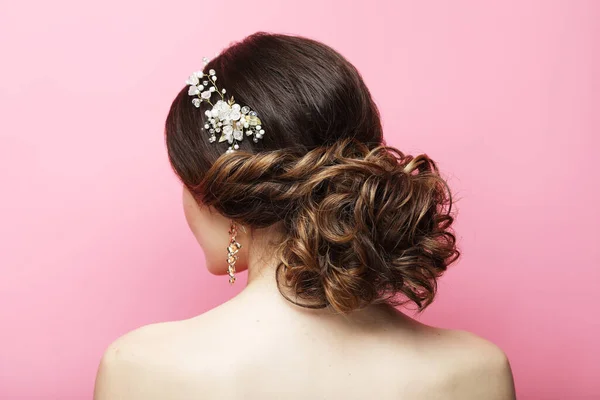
column 174, row 360
column 131, row 364
column 480, row 369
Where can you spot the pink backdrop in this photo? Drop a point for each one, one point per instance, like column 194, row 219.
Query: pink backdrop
column 93, row 242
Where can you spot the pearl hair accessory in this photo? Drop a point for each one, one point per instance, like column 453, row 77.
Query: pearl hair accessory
column 225, row 116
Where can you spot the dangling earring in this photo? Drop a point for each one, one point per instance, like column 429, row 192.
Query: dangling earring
column 232, row 250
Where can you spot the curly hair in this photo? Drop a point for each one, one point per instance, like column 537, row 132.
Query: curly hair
column 363, row 222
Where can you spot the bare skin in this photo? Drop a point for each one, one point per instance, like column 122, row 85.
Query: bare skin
column 260, row 346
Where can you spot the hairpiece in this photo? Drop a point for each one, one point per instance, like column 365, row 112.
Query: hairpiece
column 226, row 117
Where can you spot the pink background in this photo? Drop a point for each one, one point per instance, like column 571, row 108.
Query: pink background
column 93, row 242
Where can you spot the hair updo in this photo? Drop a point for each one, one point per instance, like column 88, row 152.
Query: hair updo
column 363, row 222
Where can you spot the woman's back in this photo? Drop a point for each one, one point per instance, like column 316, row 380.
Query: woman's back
column 262, row 347
column 280, row 150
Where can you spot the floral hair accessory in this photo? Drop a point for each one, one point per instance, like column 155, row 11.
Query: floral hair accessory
column 225, row 117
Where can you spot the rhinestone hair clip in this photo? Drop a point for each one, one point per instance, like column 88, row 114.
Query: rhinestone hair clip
column 225, row 117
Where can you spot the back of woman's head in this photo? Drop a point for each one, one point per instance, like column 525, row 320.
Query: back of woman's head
column 362, row 222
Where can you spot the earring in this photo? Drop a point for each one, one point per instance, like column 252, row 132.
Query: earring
column 232, row 250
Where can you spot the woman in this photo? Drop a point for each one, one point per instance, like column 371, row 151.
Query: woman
column 279, row 148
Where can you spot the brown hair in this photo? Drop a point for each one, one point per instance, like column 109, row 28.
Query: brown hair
column 363, row 222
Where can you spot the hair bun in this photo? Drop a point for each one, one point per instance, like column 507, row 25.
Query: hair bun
column 362, row 225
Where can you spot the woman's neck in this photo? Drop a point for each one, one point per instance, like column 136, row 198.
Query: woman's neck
column 262, row 290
